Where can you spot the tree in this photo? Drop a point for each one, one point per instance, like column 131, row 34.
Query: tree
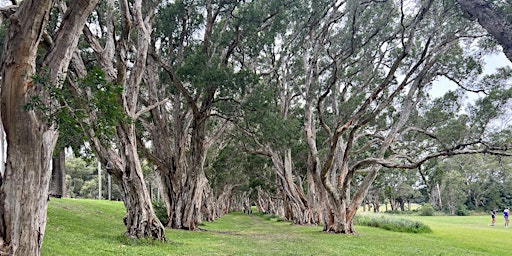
column 30, row 137
column 79, row 171
column 204, row 77
column 362, row 85
column 102, row 98
column 271, row 128
column 494, row 17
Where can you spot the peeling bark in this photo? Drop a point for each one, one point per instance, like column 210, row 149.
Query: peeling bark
column 30, row 138
column 58, row 180
column 491, row 20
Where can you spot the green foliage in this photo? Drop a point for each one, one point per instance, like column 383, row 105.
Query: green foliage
column 263, row 117
column 3, row 30
column 82, row 179
column 160, row 211
column 462, row 211
column 90, row 103
column 391, row 223
column 173, row 17
column 79, row 172
column 426, row 210
column 231, row 166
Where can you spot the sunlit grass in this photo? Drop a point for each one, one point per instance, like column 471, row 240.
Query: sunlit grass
column 89, row 227
column 391, row 223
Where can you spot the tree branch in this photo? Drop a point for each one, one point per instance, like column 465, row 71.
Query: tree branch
column 149, row 108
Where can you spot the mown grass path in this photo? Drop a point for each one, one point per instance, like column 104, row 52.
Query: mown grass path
column 90, row 227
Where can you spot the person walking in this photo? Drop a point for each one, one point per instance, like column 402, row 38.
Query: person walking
column 493, row 216
column 505, row 215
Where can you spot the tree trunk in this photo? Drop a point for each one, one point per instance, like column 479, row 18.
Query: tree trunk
column 134, row 34
column 140, row 219
column 314, row 199
column 268, row 204
column 338, row 218
column 208, row 209
column 126, row 170
column 58, row 180
column 295, row 203
column 30, row 140
column 491, row 20
column 186, row 204
column 224, row 201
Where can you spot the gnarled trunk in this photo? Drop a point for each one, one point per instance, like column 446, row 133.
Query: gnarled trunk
column 186, row 202
column 30, row 138
column 296, row 206
column 140, row 218
column 267, row 203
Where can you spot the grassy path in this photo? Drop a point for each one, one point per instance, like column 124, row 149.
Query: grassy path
column 89, row 227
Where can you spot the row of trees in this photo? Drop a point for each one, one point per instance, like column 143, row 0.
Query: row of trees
column 455, row 185
column 299, row 104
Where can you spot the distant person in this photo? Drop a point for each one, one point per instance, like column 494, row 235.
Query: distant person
column 493, row 216
column 505, row 215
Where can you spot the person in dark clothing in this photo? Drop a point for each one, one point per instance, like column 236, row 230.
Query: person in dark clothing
column 493, row 216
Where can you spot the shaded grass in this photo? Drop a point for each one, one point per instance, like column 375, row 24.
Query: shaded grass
column 89, row 227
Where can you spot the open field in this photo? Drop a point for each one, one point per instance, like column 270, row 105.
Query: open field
column 91, row 227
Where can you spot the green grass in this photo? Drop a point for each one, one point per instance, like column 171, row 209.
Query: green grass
column 90, row 227
column 392, row 223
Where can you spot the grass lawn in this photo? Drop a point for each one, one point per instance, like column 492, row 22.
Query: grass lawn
column 91, row 227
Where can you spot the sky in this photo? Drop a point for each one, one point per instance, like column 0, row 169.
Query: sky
column 492, row 62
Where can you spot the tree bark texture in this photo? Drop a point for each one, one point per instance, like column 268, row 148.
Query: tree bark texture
column 181, row 176
column 30, row 138
column 58, row 180
column 270, row 204
column 491, row 20
column 295, row 202
column 179, row 151
column 123, row 163
column 140, row 218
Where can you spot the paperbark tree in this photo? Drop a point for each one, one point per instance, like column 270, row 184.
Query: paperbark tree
column 107, row 116
column 491, row 15
column 30, row 136
column 362, row 83
column 207, row 78
column 266, row 132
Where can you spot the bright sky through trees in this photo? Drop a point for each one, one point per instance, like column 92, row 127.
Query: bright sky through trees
column 492, row 62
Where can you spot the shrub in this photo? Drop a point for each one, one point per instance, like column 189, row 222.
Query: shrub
column 391, row 223
column 426, row 210
column 462, row 211
column 160, row 211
